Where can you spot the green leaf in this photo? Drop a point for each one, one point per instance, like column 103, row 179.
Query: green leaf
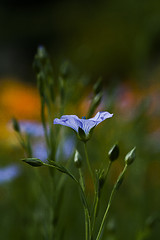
column 60, row 168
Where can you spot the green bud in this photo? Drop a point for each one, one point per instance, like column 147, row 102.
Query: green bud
column 16, row 126
column 41, row 53
column 77, row 159
column 95, row 103
column 98, row 86
column 97, row 99
column 40, row 82
column 62, row 87
column 65, row 69
column 101, row 180
column 35, row 162
column 111, row 226
column 152, row 221
column 113, row 153
column 40, row 59
column 130, row 157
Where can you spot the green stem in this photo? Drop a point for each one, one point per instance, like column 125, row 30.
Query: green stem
column 110, row 201
column 108, row 169
column 89, row 166
column 87, row 217
column 96, row 201
column 85, row 204
column 44, row 120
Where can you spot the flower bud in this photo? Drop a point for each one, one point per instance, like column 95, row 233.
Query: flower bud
column 152, row 220
column 35, row 162
column 113, row 153
column 16, row 126
column 111, row 226
column 65, row 69
column 98, row 86
column 130, row 157
column 42, row 53
column 40, row 82
column 95, row 103
column 77, row 159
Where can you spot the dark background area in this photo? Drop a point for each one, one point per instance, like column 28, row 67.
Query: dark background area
column 118, row 40
column 115, row 39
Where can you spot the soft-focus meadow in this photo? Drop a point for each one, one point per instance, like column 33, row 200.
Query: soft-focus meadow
column 117, row 41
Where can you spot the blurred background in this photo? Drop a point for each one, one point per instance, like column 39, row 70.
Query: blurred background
column 115, row 40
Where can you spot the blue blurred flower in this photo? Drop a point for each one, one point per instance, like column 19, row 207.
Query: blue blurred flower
column 39, row 150
column 82, row 126
column 9, row 173
column 32, row 128
column 66, row 148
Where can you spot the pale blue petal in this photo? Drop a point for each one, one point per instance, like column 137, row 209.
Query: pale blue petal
column 75, row 123
column 101, row 116
column 71, row 121
column 87, row 125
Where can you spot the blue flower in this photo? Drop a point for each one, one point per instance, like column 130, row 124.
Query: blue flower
column 39, row 150
column 34, row 129
column 8, row 173
column 83, row 127
column 66, row 148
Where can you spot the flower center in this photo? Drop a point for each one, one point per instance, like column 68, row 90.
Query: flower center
column 84, row 117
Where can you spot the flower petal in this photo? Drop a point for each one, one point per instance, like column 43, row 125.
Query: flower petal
column 101, row 116
column 71, row 121
column 87, row 125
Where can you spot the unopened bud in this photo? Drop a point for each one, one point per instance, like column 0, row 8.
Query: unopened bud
column 41, row 53
column 16, row 126
column 35, row 162
column 113, row 153
column 111, row 226
column 130, row 157
column 95, row 103
column 152, row 221
column 98, row 86
column 40, row 82
column 65, row 69
column 77, row 159
column 40, row 59
column 101, row 180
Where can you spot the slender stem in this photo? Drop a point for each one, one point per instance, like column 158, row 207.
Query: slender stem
column 96, row 200
column 89, row 166
column 44, row 120
column 84, row 201
column 108, row 168
column 110, row 201
column 87, row 217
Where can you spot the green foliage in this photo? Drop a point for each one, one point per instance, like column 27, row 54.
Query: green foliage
column 52, row 201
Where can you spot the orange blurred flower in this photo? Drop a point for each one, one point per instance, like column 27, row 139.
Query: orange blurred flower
column 19, row 99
